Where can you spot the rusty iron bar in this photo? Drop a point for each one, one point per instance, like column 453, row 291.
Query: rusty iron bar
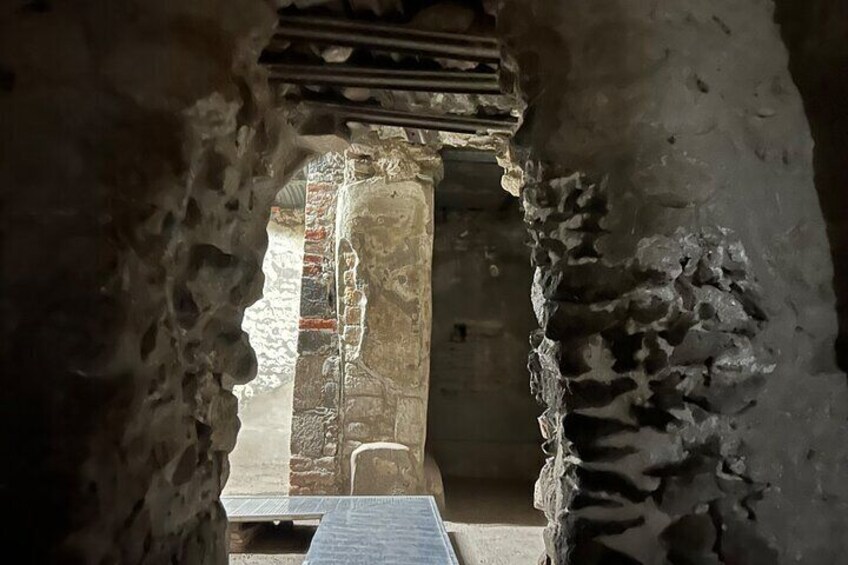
column 391, row 79
column 439, row 122
column 384, row 37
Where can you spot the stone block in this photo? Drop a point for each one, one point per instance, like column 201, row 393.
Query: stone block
column 315, row 299
column 311, row 341
column 307, row 435
column 353, row 315
column 385, row 469
column 411, row 421
column 297, row 463
column 352, row 335
column 298, row 490
column 316, row 478
column 325, row 463
column 358, row 382
column 330, row 392
column 364, row 408
column 358, row 431
column 352, row 296
column 308, row 383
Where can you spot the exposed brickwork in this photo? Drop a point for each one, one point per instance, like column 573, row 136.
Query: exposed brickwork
column 316, row 234
column 315, row 418
column 317, row 324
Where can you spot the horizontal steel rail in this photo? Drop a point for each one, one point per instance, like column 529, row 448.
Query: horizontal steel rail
column 391, row 79
column 400, row 39
column 416, row 120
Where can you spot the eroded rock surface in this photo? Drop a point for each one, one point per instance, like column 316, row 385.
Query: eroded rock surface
column 138, row 172
column 644, row 365
column 694, row 411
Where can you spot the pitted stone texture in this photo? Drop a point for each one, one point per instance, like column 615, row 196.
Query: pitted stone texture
column 138, row 175
column 385, row 468
column 681, row 119
column 645, row 365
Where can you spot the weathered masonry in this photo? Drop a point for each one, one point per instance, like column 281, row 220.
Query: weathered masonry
column 364, row 338
column 686, row 239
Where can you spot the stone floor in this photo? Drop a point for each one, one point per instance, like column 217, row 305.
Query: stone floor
column 489, row 523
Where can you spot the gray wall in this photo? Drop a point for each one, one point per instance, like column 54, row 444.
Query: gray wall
column 692, row 142
column 482, row 417
column 816, row 35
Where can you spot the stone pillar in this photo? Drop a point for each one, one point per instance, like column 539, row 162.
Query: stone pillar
column 315, row 466
column 683, row 287
column 384, row 243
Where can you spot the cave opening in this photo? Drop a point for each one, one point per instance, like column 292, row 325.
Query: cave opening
column 686, row 240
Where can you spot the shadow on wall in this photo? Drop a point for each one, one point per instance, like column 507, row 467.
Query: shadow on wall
column 816, row 35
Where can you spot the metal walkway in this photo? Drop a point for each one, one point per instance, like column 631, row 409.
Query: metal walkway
column 358, row 530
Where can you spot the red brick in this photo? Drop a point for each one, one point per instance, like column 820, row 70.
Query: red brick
column 315, row 234
column 316, row 248
column 317, row 324
column 313, row 259
column 312, row 270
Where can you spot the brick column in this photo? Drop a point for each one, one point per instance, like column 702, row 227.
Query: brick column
column 315, row 418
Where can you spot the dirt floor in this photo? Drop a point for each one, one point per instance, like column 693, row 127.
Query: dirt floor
column 489, row 523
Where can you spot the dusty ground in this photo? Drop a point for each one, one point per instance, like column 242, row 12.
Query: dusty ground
column 493, row 522
column 489, row 523
column 265, row 421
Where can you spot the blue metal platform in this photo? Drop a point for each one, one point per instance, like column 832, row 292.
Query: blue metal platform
column 358, row 530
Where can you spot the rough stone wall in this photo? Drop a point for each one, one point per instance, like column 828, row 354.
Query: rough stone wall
column 694, row 412
column 137, row 174
column 481, row 418
column 260, row 461
column 384, row 246
column 816, row 34
column 315, row 467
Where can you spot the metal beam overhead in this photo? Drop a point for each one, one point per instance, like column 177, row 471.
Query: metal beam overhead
column 391, row 79
column 414, row 120
column 383, row 37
